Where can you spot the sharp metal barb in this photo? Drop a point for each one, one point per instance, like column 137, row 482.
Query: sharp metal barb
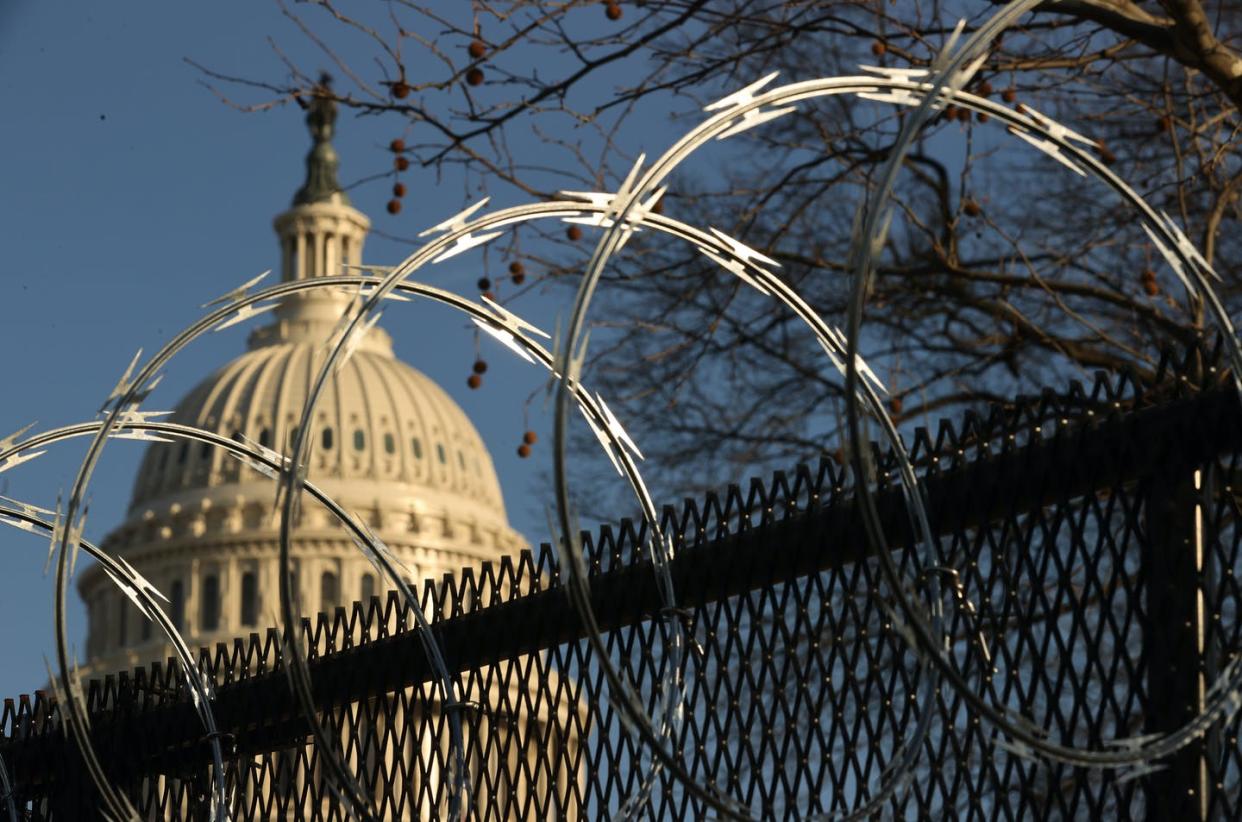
column 237, row 293
column 742, row 97
column 246, row 312
column 457, row 222
column 8, row 442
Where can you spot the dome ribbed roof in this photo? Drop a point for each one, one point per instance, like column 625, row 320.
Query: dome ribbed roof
column 378, row 420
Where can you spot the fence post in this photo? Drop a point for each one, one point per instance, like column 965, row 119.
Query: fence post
column 1173, row 638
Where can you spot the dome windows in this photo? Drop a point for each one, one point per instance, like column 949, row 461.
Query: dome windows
column 176, row 604
column 329, row 592
column 360, row 439
column 417, row 445
column 209, row 608
column 440, row 453
column 390, row 444
column 325, row 439
column 249, row 599
column 368, row 587
column 265, row 438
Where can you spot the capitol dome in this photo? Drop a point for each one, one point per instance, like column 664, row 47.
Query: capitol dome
column 383, row 432
column 388, row 444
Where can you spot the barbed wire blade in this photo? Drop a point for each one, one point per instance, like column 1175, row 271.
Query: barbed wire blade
column 1050, row 148
column 27, row 508
column 512, row 321
column 753, row 118
column 504, row 336
column 18, row 459
column 75, row 537
column 122, row 385
column 244, row 313
column 237, row 293
column 465, row 243
column 742, row 96
column 457, row 221
column 55, row 539
column 8, row 442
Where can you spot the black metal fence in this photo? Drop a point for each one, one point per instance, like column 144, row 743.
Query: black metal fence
column 1095, row 541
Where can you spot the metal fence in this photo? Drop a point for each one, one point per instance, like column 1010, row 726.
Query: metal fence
column 1095, row 544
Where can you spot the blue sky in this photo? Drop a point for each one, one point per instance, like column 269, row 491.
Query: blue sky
column 130, row 195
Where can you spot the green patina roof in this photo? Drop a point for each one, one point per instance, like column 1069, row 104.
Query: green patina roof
column 321, row 185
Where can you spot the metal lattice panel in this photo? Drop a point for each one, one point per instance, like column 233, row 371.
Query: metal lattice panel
column 799, row 689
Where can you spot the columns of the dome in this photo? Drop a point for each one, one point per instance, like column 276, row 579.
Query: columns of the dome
column 320, row 236
column 320, row 239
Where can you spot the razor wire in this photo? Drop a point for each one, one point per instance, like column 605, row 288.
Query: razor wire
column 951, row 71
column 620, row 214
column 273, row 465
column 241, row 304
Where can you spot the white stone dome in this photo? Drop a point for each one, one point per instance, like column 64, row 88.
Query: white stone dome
column 382, row 430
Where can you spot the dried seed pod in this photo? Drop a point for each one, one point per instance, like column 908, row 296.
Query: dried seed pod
column 1149, row 283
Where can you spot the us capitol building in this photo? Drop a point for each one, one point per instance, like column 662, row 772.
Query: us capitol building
column 388, row 444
